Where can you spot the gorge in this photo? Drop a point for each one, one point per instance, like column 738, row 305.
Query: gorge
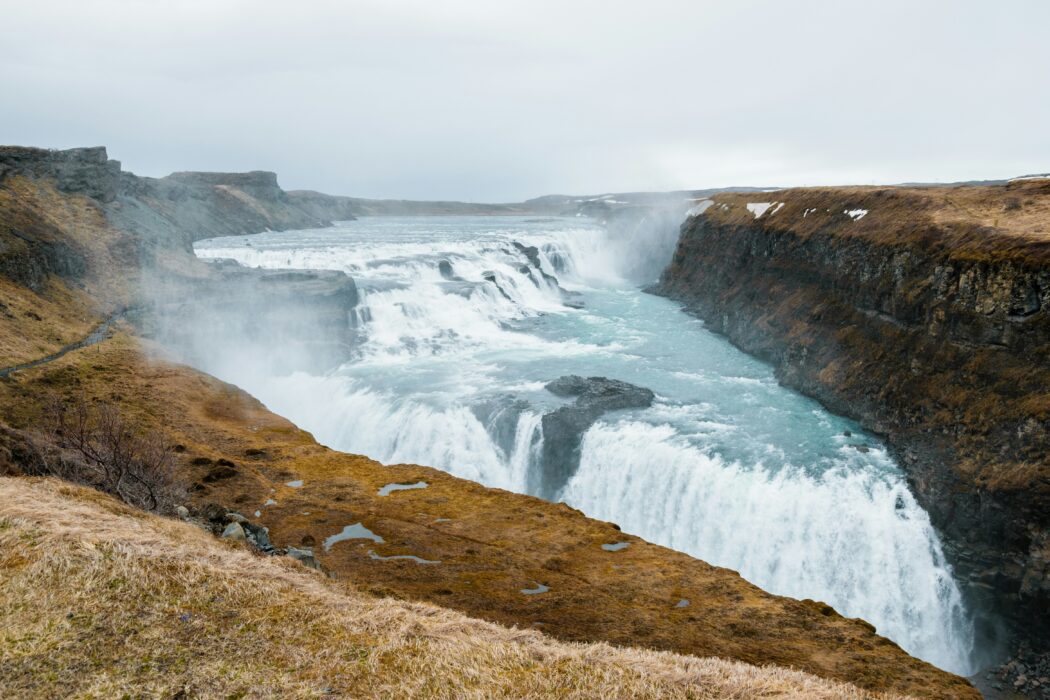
column 521, row 347
column 452, row 371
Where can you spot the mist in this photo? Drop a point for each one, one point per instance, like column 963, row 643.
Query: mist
column 487, row 102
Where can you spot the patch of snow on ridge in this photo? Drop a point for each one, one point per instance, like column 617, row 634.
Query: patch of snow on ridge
column 855, row 214
column 776, row 208
column 759, row 208
column 808, row 212
column 699, row 208
column 1044, row 176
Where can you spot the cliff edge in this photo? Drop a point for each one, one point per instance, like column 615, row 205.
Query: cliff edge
column 924, row 314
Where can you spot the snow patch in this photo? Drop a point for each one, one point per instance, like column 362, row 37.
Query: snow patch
column 699, row 208
column 759, row 208
column 855, row 214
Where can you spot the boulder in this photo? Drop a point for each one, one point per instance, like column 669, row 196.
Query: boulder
column 234, row 532
column 564, row 427
column 304, row 556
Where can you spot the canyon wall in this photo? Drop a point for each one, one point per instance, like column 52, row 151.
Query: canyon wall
column 72, row 221
column 924, row 314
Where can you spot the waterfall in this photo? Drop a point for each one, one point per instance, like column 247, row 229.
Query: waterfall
column 462, row 321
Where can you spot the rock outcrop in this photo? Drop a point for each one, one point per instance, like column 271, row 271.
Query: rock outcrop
column 182, row 207
column 925, row 314
column 87, row 171
column 564, row 427
column 287, row 319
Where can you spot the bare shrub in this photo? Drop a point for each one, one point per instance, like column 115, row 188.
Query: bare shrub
column 91, row 443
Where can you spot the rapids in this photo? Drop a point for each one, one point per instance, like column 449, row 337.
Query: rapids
column 457, row 334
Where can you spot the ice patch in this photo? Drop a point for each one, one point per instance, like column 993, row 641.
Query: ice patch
column 699, row 208
column 390, row 488
column 409, row 557
column 540, row 588
column 759, row 208
column 357, row 531
column 855, row 214
column 616, row 546
column 297, row 484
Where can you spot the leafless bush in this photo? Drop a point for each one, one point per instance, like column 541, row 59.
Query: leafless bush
column 92, row 444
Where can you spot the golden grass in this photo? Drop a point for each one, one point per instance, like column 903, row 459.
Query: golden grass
column 99, row 600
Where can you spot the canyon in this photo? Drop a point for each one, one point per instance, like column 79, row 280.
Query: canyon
column 924, row 318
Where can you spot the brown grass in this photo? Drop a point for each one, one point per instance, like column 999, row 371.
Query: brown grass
column 981, row 222
column 37, row 323
column 99, row 600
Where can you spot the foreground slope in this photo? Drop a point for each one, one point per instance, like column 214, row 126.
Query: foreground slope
column 483, row 547
column 161, row 609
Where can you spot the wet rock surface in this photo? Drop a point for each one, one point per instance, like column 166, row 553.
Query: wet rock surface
column 564, row 427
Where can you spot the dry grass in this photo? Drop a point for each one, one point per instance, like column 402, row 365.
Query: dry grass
column 36, row 323
column 1004, row 222
column 99, row 600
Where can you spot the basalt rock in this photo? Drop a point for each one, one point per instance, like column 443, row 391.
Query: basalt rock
column 564, row 427
column 925, row 315
column 86, row 171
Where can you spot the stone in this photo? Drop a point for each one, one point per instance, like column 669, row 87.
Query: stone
column 563, row 428
column 304, row 557
column 234, row 532
column 183, row 512
column 234, row 517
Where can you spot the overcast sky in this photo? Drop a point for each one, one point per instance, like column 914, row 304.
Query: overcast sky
column 498, row 100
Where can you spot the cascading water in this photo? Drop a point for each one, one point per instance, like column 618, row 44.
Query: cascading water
column 461, row 323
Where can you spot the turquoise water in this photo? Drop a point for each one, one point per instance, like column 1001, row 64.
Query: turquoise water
column 726, row 465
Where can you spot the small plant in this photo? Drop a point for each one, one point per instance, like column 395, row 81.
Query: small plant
column 91, row 443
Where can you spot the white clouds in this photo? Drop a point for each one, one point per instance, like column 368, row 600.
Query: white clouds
column 513, row 99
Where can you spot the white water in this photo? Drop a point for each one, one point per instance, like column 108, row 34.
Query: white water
column 727, row 465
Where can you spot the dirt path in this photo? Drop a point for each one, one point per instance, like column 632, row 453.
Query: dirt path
column 97, row 334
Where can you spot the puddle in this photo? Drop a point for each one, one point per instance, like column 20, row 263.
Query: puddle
column 297, row 484
column 269, row 502
column 540, row 588
column 683, row 603
column 390, row 488
column 410, row 557
column 443, row 520
column 258, row 513
column 616, row 547
column 357, row 531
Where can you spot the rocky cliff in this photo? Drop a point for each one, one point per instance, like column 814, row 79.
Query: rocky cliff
column 184, row 206
column 71, row 223
column 924, row 314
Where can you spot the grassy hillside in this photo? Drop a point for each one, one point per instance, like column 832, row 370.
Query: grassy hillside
column 158, row 608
